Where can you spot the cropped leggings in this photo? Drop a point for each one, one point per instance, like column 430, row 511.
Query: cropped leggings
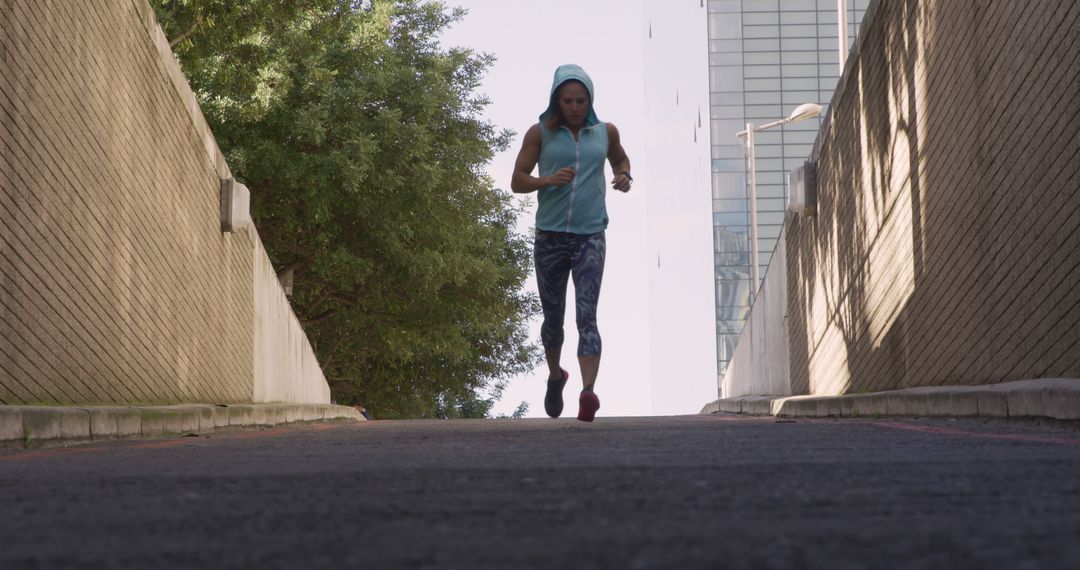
column 557, row 255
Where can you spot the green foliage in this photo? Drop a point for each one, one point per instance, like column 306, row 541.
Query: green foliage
column 361, row 140
column 519, row 411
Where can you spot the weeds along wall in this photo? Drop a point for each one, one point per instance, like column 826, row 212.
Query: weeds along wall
column 117, row 283
column 946, row 247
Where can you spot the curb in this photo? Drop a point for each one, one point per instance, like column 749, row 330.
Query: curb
column 1048, row 398
column 24, row 425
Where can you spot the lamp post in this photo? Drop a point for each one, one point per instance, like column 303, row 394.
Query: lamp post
column 804, row 111
column 841, row 29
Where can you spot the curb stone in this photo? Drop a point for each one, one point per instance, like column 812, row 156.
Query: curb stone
column 711, row 408
column 258, row 414
column 24, row 425
column 275, row 415
column 241, row 416
column 1061, row 400
column 221, row 416
column 11, row 423
column 993, row 404
column 206, row 419
column 190, row 419
column 110, row 422
column 1049, row 398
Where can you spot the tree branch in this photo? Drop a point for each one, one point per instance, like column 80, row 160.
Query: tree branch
column 346, row 300
column 334, row 351
column 316, row 303
column 319, row 318
column 187, row 33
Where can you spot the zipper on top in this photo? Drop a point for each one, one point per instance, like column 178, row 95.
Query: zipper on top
column 577, row 169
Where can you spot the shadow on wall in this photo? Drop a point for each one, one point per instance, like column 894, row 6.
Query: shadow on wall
column 855, row 263
column 946, row 232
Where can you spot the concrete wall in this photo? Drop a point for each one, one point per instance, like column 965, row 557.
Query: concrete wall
column 760, row 364
column 285, row 366
column 117, row 284
column 946, row 249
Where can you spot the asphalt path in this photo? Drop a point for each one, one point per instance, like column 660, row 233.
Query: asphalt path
column 622, row 493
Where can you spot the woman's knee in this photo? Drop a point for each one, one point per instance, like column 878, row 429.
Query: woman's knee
column 552, row 338
column 589, row 343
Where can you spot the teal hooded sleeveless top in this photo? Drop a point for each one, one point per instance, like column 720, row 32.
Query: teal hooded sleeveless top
column 578, row 207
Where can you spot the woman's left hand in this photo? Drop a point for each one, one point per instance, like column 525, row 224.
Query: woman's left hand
column 622, row 183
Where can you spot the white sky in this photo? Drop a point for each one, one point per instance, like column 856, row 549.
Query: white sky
column 530, row 39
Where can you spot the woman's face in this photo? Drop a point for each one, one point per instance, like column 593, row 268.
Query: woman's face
column 573, row 103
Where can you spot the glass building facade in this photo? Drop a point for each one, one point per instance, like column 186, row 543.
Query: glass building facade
column 766, row 57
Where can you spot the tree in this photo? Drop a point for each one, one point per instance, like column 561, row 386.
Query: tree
column 362, row 142
column 519, row 412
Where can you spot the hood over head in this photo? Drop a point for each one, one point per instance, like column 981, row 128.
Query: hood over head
column 563, row 74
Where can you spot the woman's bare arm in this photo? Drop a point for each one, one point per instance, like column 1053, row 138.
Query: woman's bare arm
column 620, row 163
column 523, row 181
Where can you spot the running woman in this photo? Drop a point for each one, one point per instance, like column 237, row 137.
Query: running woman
column 570, row 145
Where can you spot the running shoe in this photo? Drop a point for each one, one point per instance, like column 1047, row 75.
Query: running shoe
column 588, row 403
column 553, row 403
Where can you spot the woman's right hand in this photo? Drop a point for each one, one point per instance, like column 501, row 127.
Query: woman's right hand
column 562, row 177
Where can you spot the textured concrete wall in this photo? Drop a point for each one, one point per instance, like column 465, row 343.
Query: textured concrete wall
column 946, row 249
column 116, row 282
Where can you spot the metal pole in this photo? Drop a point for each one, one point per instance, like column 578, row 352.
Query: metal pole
column 751, row 168
column 841, row 30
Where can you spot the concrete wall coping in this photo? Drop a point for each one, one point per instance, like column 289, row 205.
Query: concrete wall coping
column 27, row 425
column 1049, row 398
column 183, row 88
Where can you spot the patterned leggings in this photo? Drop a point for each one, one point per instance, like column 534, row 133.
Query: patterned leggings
column 557, row 254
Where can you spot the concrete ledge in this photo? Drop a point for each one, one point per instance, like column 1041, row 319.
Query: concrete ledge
column 241, row 416
column 1061, row 399
column 757, row 405
column 221, row 416
column 190, row 417
column 992, row 404
column 112, row 422
column 861, row 405
column 206, row 418
column 796, row 406
column 25, row 425
column 730, row 405
column 11, row 423
column 1052, row 398
column 54, row 423
column 155, row 420
column 275, row 415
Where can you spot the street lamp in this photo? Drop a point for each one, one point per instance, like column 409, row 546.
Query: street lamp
column 841, row 29
column 804, row 111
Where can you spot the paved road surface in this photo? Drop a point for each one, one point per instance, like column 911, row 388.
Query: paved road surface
column 683, row 492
